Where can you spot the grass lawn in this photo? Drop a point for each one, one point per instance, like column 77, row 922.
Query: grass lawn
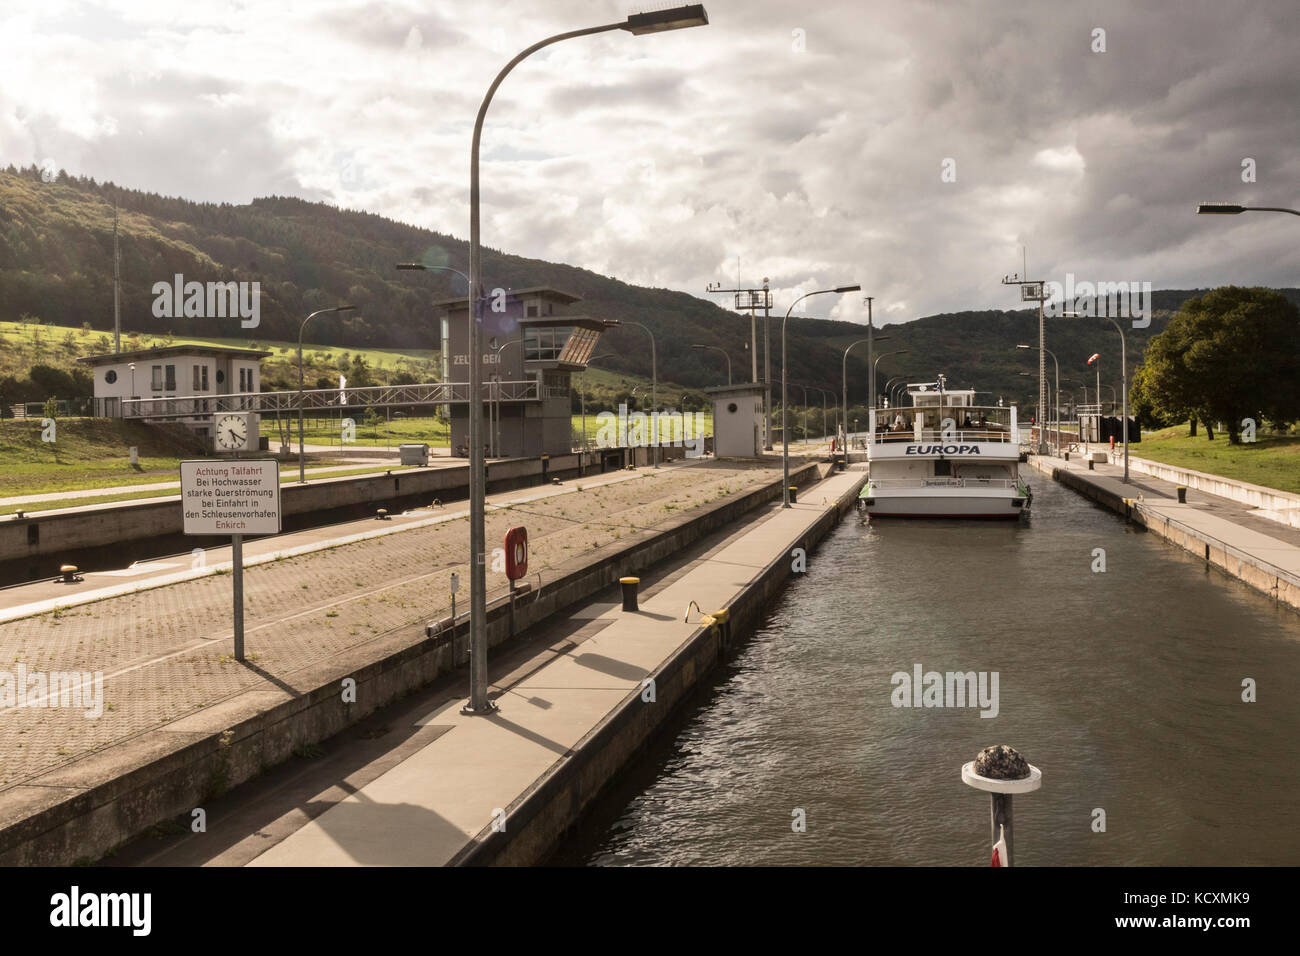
column 1272, row 461
column 432, row 430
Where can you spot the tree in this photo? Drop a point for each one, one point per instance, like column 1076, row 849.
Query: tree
column 1230, row 354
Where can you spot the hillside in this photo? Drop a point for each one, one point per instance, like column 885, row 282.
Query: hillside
column 56, row 265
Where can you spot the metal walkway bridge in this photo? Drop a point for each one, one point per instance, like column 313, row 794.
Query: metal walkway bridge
column 327, row 399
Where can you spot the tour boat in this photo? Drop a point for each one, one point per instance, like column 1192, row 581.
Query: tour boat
column 944, row 457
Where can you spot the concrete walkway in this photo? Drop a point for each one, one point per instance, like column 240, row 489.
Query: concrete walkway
column 429, row 806
column 1229, row 523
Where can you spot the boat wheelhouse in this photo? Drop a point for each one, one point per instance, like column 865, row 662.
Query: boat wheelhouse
column 944, row 457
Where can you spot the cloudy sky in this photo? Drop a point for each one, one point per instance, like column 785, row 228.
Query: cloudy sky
column 912, row 147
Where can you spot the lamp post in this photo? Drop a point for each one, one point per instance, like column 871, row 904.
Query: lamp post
column 1057, row 366
column 1123, row 373
column 1232, row 209
column 785, row 417
column 716, row 348
column 844, row 394
column 302, row 458
column 638, row 24
column 654, row 392
column 874, row 399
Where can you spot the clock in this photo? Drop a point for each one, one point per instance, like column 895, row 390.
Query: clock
column 231, row 432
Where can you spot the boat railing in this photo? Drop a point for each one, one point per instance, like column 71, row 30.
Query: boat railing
column 943, row 482
column 960, row 436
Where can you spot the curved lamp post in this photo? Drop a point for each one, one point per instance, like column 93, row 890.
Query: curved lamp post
column 717, row 348
column 1057, row 365
column 638, row 24
column 877, row 363
column 1123, row 374
column 785, row 417
column 1232, row 209
column 654, row 392
column 302, row 468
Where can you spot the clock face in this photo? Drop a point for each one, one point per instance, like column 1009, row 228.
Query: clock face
column 232, row 432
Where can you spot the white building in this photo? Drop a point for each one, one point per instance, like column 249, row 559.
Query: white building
column 737, row 420
column 174, row 371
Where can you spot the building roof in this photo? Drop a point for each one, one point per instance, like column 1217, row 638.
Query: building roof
column 174, row 350
column 741, row 388
column 545, row 291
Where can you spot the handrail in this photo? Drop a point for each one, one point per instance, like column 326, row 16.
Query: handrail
column 434, row 393
column 943, row 482
column 938, row 435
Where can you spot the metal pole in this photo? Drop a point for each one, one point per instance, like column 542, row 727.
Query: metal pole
column 237, row 572
column 871, row 347
column 1123, row 372
column 1000, row 815
column 302, row 468
column 117, row 284
column 1042, row 373
column 767, row 366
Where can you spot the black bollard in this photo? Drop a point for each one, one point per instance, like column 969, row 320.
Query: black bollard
column 794, row 494
column 629, row 592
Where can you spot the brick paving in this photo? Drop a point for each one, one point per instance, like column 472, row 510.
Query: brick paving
column 166, row 652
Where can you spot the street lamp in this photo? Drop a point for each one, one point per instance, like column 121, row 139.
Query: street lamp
column 654, row 392
column 302, row 467
column 716, row 348
column 639, row 24
column 1123, row 372
column 785, row 417
column 874, row 399
column 1058, row 388
column 1232, row 209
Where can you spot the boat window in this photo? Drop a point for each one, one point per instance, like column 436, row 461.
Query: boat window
column 942, row 467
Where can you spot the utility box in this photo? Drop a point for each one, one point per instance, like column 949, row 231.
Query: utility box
column 414, row 454
column 737, row 420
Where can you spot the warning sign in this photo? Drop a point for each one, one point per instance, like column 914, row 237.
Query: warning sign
column 231, row 497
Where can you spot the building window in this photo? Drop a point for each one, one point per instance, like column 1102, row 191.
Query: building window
column 204, row 387
column 157, row 378
column 171, row 378
column 532, row 311
column 545, row 344
column 196, row 378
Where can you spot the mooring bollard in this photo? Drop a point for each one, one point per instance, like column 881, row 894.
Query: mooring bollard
column 1001, row 772
column 1090, row 464
column 629, row 592
column 69, row 572
column 1182, row 494
column 381, row 514
column 794, row 494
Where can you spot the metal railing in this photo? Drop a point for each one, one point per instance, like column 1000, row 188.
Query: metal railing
column 943, row 482
column 436, row 393
column 959, row 436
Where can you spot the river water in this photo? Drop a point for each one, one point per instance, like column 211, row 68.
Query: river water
column 1124, row 687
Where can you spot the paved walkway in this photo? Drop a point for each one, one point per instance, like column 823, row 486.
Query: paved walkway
column 164, row 652
column 1235, row 524
column 427, row 807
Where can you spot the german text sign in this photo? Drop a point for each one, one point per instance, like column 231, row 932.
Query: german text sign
column 231, row 497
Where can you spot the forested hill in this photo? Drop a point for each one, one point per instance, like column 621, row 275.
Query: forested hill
column 56, row 263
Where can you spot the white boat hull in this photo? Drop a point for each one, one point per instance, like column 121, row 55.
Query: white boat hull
column 1002, row 503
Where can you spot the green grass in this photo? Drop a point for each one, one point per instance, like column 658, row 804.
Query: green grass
column 1272, row 461
column 329, row 432
column 288, row 476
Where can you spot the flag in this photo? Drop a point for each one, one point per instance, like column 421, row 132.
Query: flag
column 343, row 395
column 1095, row 356
column 1000, row 848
